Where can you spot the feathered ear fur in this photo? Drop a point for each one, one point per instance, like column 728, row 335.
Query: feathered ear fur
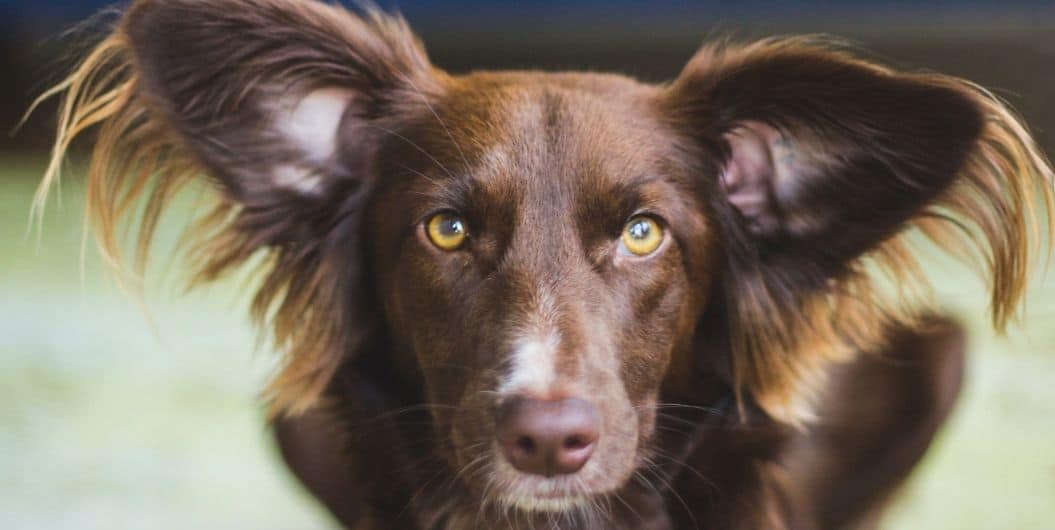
column 280, row 104
column 824, row 163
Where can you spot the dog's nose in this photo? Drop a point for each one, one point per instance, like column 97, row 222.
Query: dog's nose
column 547, row 437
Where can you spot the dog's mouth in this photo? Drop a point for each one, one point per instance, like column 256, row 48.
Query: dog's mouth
column 544, row 504
column 545, row 495
column 507, row 488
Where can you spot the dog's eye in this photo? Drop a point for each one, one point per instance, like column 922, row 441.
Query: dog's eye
column 642, row 235
column 447, row 231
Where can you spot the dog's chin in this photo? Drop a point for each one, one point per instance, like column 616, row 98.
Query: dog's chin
column 560, row 494
column 549, row 505
column 547, row 495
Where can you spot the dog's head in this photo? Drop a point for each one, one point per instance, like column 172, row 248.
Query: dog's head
column 551, row 255
column 541, row 249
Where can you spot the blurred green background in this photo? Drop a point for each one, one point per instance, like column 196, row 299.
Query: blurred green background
column 112, row 417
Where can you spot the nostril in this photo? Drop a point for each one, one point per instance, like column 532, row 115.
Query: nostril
column 573, row 443
column 525, row 444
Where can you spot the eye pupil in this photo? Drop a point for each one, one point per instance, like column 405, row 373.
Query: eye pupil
column 640, row 230
column 452, row 226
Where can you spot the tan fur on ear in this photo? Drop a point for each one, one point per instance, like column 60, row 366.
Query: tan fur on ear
column 139, row 163
column 997, row 215
column 997, row 218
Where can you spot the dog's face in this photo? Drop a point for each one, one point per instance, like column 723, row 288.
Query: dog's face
column 541, row 250
column 549, row 253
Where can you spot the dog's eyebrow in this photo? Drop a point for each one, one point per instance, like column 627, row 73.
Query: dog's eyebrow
column 634, row 183
column 467, row 193
column 446, row 187
column 605, row 204
column 627, row 194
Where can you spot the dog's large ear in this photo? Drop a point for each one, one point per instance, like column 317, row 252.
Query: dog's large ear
column 281, row 105
column 820, row 159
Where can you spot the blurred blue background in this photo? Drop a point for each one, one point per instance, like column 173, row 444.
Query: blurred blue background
column 113, row 419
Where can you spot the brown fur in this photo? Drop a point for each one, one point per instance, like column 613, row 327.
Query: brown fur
column 717, row 364
column 782, row 301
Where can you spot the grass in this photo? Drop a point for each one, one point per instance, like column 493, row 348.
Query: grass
column 108, row 423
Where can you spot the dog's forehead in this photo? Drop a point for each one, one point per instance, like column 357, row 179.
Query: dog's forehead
column 552, row 128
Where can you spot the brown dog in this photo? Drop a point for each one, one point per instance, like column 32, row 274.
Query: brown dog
column 568, row 300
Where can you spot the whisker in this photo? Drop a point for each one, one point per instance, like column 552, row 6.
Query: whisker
column 628, row 507
column 430, row 179
column 415, row 146
column 420, row 407
column 710, row 410
column 443, row 124
column 668, row 487
column 657, row 452
column 677, row 419
column 418, row 492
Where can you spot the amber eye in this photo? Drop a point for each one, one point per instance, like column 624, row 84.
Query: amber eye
column 447, row 231
column 642, row 235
